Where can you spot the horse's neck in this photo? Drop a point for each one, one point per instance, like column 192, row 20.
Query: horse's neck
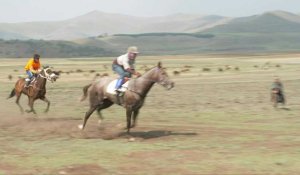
column 40, row 82
column 143, row 84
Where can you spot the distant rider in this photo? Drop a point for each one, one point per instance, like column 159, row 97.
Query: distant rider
column 124, row 66
column 277, row 87
column 32, row 68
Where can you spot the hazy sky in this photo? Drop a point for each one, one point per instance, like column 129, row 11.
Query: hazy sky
column 45, row 10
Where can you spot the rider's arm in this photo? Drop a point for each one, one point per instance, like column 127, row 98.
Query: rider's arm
column 36, row 71
column 33, row 71
column 125, row 63
column 133, row 71
column 128, row 67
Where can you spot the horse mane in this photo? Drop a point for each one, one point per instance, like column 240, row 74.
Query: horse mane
column 149, row 71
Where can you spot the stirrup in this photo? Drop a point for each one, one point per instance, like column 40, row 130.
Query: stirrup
column 120, row 94
column 27, row 84
column 118, row 90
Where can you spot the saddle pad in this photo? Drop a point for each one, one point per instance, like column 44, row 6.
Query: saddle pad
column 111, row 87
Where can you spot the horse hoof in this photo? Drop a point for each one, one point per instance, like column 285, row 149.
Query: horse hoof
column 80, row 127
column 132, row 139
column 132, row 126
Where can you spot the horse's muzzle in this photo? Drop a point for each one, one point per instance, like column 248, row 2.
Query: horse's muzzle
column 53, row 77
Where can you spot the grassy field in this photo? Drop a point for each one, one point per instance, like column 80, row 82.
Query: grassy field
column 213, row 122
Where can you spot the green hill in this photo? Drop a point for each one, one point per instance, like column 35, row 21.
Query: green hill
column 9, row 36
column 20, row 48
column 272, row 22
column 156, row 44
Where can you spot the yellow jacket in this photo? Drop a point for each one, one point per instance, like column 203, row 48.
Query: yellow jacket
column 32, row 66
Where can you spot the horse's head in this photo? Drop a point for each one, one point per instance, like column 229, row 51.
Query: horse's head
column 49, row 74
column 162, row 78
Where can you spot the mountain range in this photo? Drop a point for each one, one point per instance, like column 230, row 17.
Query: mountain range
column 98, row 23
column 104, row 34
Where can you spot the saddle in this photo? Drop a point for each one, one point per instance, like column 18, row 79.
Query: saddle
column 111, row 87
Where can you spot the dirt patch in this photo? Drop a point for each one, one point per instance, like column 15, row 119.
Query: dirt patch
column 81, row 170
column 7, row 168
column 45, row 128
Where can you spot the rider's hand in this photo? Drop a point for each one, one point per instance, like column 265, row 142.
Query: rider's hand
column 138, row 74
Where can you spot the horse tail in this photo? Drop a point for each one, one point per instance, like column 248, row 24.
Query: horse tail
column 85, row 89
column 12, row 93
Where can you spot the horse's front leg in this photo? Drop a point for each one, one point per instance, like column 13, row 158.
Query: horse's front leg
column 100, row 117
column 48, row 103
column 135, row 115
column 31, row 101
column 128, row 116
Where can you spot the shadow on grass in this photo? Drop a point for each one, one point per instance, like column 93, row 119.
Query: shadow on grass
column 156, row 134
column 285, row 108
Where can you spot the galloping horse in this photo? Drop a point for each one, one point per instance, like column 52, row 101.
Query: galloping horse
column 36, row 90
column 133, row 98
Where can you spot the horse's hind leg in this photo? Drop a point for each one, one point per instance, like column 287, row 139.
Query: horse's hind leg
column 106, row 103
column 31, row 101
column 87, row 115
column 18, row 102
column 48, row 103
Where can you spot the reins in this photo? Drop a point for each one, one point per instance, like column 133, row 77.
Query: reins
column 134, row 91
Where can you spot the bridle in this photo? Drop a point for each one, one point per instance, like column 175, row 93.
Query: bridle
column 47, row 76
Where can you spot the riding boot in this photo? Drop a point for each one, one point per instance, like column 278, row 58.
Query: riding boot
column 27, row 80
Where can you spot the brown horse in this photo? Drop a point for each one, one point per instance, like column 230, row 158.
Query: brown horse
column 36, row 90
column 133, row 98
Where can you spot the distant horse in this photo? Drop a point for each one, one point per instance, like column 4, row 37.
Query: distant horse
column 133, row 98
column 36, row 89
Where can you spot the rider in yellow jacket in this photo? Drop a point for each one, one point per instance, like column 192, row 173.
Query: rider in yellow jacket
column 32, row 67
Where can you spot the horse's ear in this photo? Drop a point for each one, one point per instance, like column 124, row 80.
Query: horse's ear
column 159, row 65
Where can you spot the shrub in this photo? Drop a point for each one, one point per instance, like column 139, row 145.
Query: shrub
column 205, row 69
column 176, row 72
